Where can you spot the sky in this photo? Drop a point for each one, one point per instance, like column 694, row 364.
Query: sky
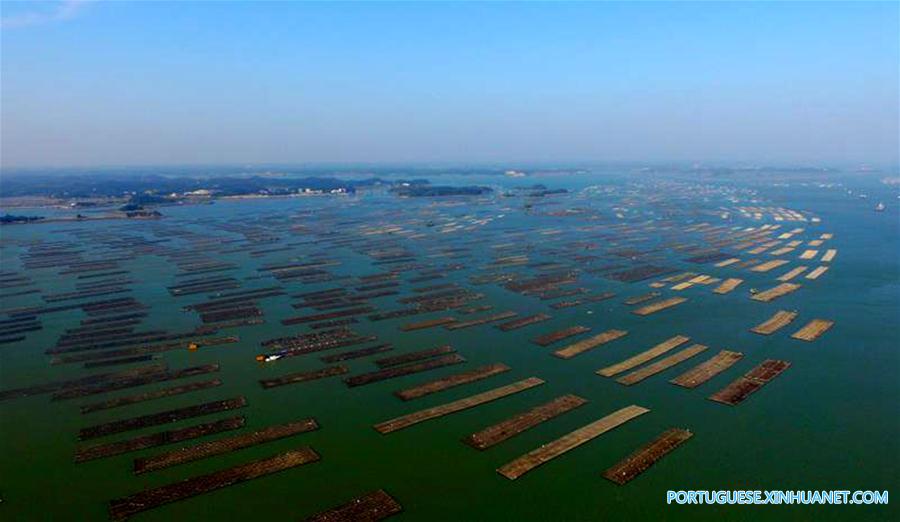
column 159, row 83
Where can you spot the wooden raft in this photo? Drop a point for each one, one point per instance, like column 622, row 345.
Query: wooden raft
column 708, row 369
column 559, row 335
column 156, row 394
column 657, row 306
column 728, row 285
column 781, row 319
column 524, row 421
column 813, row 330
column 660, row 365
column 484, row 320
column 740, row 389
column 524, row 321
column 817, row 272
column 370, row 507
column 157, row 439
column 163, row 417
column 645, row 456
column 222, row 446
column 775, row 292
column 151, row 498
column 794, row 272
column 441, row 321
column 451, row 381
column 589, row 344
column 401, row 371
column 643, row 357
column 551, row 450
column 293, row 378
column 411, row 419
column 769, row 265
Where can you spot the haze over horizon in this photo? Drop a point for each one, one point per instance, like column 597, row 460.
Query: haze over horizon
column 107, row 84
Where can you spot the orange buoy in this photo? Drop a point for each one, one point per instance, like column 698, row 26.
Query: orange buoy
column 260, row 358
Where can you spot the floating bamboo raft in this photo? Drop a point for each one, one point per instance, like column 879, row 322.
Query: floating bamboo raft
column 657, row 306
column 769, row 265
column 400, row 371
column 293, row 378
column 645, row 456
column 708, row 369
column 660, row 365
column 817, row 272
column 222, row 446
column 484, row 320
column 156, row 394
column 451, row 381
column 728, row 285
column 406, row 421
column 405, row 358
column 441, row 321
column 551, row 450
column 132, row 382
column 589, row 344
column 794, row 272
column 775, row 292
column 740, row 389
column 643, row 357
column 148, row 499
column 163, row 417
column 524, row 321
column 771, row 325
column 638, row 299
column 371, row 507
column 356, row 354
column 552, row 337
column 813, row 330
column 524, row 421
column 829, row 255
column 157, row 439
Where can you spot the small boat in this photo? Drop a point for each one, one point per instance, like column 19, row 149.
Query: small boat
column 879, row 207
column 753, row 291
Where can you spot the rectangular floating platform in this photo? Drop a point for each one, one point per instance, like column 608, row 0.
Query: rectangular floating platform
column 559, row 335
column 133, row 382
column 708, row 369
column 769, row 265
column 156, row 394
column 813, row 330
column 638, row 299
column 451, row 381
column 150, row 498
column 163, row 417
column 484, row 320
column 441, row 321
column 727, row 285
column 778, row 321
column 643, row 357
column 829, row 255
column 513, row 426
column 157, row 439
column 645, row 456
column 411, row 419
column 589, row 344
column 738, row 391
column 524, row 321
column 775, row 292
column 222, row 446
column 660, row 365
column 294, row 378
column 371, row 507
column 817, row 272
column 356, row 354
column 809, row 254
column 727, row 262
column 551, row 450
column 794, row 272
column 401, row 371
column 657, row 306
column 406, row 358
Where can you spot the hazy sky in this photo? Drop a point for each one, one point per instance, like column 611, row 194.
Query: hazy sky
column 97, row 83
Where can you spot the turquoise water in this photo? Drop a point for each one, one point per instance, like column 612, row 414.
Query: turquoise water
column 829, row 422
